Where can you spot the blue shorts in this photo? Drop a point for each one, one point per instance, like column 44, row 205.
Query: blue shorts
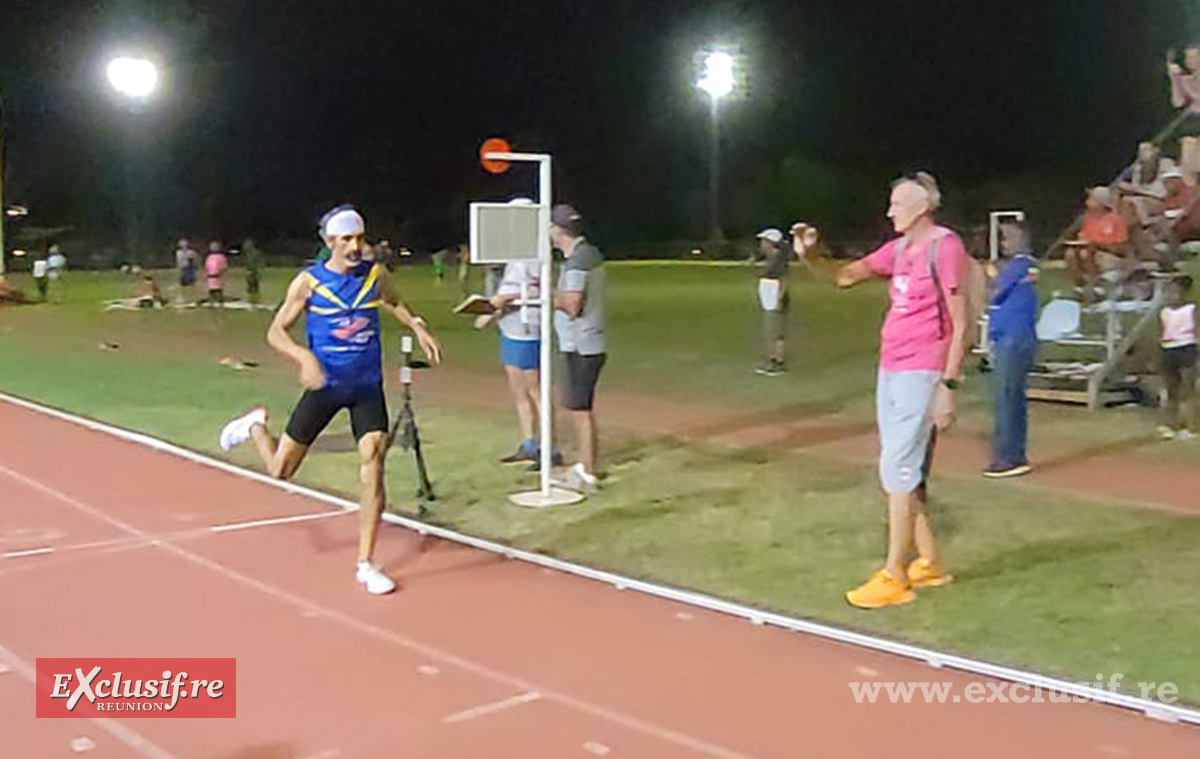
column 520, row 354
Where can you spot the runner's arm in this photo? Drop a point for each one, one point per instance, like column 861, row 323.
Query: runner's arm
column 387, row 292
column 286, row 317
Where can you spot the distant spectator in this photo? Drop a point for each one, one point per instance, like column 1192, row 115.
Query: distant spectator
column 774, row 299
column 58, row 265
column 253, row 264
column 1012, row 331
column 41, row 271
column 1179, row 362
column 186, row 262
column 1103, row 241
column 215, row 264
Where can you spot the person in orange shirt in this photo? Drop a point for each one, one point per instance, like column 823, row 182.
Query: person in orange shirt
column 1104, row 235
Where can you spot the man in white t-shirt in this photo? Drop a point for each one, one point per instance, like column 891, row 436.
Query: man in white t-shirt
column 41, row 271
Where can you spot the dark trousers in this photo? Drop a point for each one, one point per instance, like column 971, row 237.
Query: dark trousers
column 1013, row 361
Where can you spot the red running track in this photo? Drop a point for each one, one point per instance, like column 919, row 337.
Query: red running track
column 475, row 656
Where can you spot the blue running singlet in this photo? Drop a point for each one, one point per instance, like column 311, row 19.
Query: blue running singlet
column 343, row 324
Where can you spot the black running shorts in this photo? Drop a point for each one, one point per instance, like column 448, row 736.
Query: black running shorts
column 366, row 404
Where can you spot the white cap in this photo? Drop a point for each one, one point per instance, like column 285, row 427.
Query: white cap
column 771, row 234
column 343, row 221
column 1174, row 171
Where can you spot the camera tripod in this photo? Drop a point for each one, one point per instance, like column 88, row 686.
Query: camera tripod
column 404, row 428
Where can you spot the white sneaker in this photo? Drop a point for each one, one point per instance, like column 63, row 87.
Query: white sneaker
column 1166, row 433
column 375, row 581
column 238, row 431
column 1183, row 435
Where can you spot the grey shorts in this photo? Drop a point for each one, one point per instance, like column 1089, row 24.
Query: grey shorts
column 904, row 414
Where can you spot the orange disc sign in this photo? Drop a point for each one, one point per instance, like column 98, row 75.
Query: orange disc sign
column 494, row 145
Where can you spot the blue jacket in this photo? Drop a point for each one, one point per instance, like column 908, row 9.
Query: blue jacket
column 1012, row 314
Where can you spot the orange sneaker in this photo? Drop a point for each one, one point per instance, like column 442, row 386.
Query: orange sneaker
column 923, row 573
column 883, row 589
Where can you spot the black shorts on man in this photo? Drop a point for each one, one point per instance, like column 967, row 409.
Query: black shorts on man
column 583, row 372
column 316, row 409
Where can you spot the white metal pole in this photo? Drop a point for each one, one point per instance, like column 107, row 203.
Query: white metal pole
column 547, row 285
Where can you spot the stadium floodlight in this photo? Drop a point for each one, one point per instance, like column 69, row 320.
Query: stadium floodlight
column 133, row 77
column 718, row 78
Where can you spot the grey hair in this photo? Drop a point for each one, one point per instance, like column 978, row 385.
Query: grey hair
column 926, row 182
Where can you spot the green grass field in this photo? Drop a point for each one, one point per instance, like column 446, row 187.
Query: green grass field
column 1068, row 587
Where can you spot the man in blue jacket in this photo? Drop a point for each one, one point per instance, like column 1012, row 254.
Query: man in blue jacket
column 1012, row 330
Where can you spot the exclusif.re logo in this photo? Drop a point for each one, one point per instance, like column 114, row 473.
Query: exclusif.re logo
column 174, row 688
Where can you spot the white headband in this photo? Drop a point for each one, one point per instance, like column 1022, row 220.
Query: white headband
column 347, row 222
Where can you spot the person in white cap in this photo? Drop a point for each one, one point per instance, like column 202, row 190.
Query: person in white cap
column 774, row 299
column 340, row 369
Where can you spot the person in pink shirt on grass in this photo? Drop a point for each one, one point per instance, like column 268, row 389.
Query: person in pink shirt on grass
column 922, row 347
column 215, row 264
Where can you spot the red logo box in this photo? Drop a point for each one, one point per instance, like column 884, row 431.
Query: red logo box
column 141, row 688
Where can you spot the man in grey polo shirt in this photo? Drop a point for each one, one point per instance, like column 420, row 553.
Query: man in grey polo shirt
column 579, row 322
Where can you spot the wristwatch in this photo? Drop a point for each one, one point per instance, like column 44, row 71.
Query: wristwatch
column 951, row 384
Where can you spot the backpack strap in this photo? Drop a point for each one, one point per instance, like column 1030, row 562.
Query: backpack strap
column 931, row 252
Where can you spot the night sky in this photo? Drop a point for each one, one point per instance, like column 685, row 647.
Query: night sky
column 274, row 111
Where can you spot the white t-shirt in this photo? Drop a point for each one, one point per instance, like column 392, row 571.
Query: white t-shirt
column 521, row 278
column 1179, row 326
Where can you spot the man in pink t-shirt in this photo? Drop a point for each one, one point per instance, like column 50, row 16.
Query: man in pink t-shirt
column 214, row 266
column 922, row 347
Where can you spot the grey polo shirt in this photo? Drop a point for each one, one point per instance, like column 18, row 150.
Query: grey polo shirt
column 583, row 271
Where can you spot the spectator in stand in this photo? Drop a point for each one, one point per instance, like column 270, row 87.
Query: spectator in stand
column 1142, row 183
column 1185, row 96
column 1103, row 241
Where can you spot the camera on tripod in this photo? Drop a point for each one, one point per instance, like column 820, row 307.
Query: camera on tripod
column 404, row 430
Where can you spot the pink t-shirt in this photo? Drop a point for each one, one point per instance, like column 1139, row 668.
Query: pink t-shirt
column 214, row 265
column 911, row 339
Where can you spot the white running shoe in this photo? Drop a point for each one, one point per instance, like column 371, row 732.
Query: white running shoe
column 375, row 581
column 238, row 431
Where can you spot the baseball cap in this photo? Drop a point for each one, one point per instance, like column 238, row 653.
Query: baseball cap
column 771, row 234
column 563, row 215
column 1102, row 195
column 1173, row 172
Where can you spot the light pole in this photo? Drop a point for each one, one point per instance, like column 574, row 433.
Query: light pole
column 136, row 79
column 717, row 79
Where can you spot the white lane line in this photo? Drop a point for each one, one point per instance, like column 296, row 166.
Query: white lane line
column 486, row 709
column 30, row 552
column 619, row 718
column 277, row 520
column 130, row 737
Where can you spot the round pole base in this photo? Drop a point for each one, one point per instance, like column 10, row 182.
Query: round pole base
column 536, row 499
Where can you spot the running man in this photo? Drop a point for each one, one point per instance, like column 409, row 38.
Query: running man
column 341, row 369
column 922, row 349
